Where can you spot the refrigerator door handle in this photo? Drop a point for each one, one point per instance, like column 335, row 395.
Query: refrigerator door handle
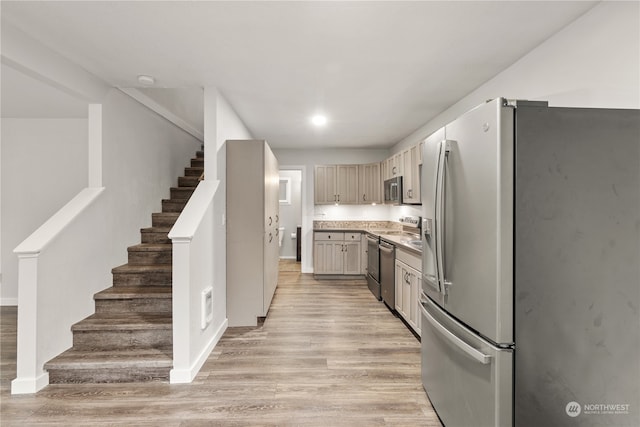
column 470, row 351
column 445, row 148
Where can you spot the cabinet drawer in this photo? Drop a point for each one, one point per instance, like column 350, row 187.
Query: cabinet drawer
column 325, row 235
column 410, row 259
column 352, row 237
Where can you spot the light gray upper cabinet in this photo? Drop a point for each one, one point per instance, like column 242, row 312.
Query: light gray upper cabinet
column 325, row 188
column 411, row 175
column 336, row 184
column 370, row 183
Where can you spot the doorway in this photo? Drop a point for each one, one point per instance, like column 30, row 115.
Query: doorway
column 290, row 196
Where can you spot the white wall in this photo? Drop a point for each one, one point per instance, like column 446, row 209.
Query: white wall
column 593, row 62
column 310, row 158
column 143, row 155
column 229, row 126
column 44, row 165
column 291, row 213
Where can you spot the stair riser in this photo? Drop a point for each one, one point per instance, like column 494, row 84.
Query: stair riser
column 188, row 181
column 159, row 220
column 197, row 163
column 142, row 279
column 122, row 375
column 150, row 258
column 124, row 339
column 200, row 154
column 153, row 237
column 181, row 193
column 193, row 171
column 175, row 206
column 134, row 305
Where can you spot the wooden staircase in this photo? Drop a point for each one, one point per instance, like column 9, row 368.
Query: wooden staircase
column 129, row 337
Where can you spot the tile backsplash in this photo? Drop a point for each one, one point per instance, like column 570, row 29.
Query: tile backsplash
column 357, row 225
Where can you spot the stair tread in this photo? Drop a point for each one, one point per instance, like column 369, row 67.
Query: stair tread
column 109, row 359
column 128, row 268
column 124, row 321
column 128, row 292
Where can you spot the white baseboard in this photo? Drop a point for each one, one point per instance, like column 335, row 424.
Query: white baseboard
column 8, row 301
column 183, row 376
column 29, row 385
column 287, row 257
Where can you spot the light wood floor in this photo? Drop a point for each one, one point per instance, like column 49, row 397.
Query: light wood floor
column 328, row 354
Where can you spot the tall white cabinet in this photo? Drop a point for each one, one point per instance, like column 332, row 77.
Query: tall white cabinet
column 252, row 230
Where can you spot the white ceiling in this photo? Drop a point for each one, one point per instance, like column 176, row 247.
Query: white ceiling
column 379, row 70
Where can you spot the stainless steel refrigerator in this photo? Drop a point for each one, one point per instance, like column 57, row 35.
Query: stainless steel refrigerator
column 531, row 277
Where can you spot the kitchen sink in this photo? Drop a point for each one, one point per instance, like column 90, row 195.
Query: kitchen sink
column 416, row 243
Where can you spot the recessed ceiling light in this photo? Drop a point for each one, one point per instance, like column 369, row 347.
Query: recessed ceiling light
column 319, row 120
column 146, row 80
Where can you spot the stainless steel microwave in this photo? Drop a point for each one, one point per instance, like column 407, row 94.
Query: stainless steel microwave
column 393, row 191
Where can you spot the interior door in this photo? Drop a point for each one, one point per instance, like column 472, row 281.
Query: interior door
column 476, row 220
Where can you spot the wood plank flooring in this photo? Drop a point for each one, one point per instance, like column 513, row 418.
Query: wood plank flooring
column 328, row 354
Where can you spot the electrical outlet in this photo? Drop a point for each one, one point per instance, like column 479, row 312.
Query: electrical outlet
column 206, row 307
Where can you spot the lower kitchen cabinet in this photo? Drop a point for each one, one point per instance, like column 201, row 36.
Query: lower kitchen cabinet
column 408, row 278
column 337, row 253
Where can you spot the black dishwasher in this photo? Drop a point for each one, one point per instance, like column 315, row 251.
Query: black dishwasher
column 387, row 274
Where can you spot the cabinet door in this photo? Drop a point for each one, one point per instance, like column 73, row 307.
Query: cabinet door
column 370, row 183
column 399, row 167
column 399, row 273
column 406, row 293
column 416, row 318
column 324, row 185
column 328, row 257
column 411, row 175
column 352, row 257
column 347, row 182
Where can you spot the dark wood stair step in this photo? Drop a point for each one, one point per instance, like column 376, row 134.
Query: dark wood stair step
column 191, row 171
column 150, row 254
column 164, row 219
column 182, row 192
column 188, row 181
column 200, row 154
column 123, row 330
column 110, row 366
column 174, row 205
column 155, row 235
column 142, row 275
column 134, row 299
column 197, row 163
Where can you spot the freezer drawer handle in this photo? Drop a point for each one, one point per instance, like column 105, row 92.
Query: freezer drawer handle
column 475, row 354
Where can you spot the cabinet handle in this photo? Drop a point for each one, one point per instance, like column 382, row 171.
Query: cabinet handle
column 338, row 197
column 335, row 197
column 393, row 170
column 364, row 197
column 270, row 237
column 270, row 220
column 277, row 218
column 277, row 231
